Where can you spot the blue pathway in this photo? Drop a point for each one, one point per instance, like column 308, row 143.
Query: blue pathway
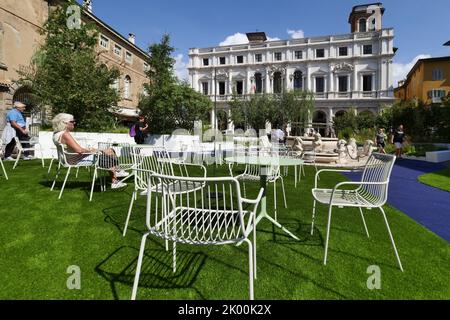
column 427, row 205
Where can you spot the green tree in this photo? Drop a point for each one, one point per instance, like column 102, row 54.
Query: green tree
column 168, row 103
column 279, row 110
column 68, row 75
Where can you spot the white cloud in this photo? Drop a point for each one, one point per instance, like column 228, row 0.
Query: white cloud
column 296, row 34
column 237, row 38
column 180, row 67
column 401, row 70
column 240, row 38
column 273, row 39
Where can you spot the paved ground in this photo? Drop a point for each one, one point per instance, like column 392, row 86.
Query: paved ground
column 427, row 205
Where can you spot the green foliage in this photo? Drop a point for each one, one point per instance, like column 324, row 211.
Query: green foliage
column 68, row 76
column 279, row 110
column 169, row 104
column 347, row 121
column 423, row 123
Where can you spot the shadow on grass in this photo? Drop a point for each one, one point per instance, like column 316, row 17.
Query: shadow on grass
column 156, row 272
column 117, row 216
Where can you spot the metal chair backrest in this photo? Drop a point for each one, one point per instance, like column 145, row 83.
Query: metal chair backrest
column 34, row 130
column 1, row 147
column 150, row 160
column 61, row 154
column 378, row 170
column 115, row 155
column 211, row 212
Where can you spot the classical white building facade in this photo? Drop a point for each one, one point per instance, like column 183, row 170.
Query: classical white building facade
column 343, row 71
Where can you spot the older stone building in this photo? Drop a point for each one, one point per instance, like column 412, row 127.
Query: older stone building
column 20, row 25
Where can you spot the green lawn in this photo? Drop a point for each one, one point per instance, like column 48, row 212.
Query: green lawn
column 440, row 179
column 41, row 237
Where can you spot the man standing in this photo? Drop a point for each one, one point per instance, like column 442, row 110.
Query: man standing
column 141, row 128
column 17, row 121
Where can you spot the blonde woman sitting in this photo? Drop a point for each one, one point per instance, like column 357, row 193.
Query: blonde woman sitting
column 63, row 125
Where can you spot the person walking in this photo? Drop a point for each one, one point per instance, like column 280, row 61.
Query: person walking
column 381, row 140
column 16, row 120
column 398, row 139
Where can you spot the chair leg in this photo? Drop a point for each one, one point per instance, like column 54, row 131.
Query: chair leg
column 93, row 184
column 64, row 183
column 56, row 178
column 139, row 266
column 129, row 214
column 275, row 198
column 174, row 257
column 313, row 217
column 328, row 235
column 392, row 239
column 254, row 245
column 284, row 193
column 364, row 222
column 4, row 171
column 49, row 169
column 295, row 177
column 250, row 269
column 17, row 160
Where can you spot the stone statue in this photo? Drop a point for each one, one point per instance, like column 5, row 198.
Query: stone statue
column 352, row 149
column 297, row 148
column 317, row 143
column 342, row 151
column 367, row 149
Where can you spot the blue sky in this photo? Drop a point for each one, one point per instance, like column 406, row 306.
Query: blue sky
column 421, row 27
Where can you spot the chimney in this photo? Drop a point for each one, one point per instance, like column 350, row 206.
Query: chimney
column 132, row 38
column 88, row 5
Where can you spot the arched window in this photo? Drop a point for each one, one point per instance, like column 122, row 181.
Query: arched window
column 320, row 117
column 258, row 83
column 298, row 80
column 340, row 113
column 127, row 88
column 277, row 86
column 362, row 25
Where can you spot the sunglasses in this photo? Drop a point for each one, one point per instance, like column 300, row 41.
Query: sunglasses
column 73, row 121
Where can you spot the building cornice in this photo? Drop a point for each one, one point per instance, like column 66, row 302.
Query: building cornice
column 312, row 41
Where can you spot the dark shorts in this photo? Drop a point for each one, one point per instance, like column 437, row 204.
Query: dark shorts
column 381, row 145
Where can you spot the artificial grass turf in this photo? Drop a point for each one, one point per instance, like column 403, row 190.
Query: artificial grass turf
column 440, row 179
column 40, row 237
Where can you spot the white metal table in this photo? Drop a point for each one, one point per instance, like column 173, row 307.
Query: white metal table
column 265, row 162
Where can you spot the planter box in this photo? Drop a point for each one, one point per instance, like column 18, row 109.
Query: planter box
column 438, row 156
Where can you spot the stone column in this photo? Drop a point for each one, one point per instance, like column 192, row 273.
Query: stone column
column 268, row 82
column 355, row 83
column 330, row 87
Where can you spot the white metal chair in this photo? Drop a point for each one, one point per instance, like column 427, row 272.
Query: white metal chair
column 198, row 218
column 371, row 192
column 1, row 162
column 64, row 162
column 148, row 161
column 33, row 143
column 121, row 159
column 253, row 173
